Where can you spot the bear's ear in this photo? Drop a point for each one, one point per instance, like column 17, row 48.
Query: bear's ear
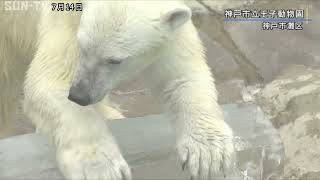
column 176, row 17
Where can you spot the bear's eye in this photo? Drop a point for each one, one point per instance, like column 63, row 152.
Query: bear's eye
column 114, row 61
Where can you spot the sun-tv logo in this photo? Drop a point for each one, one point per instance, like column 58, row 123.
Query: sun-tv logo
column 23, row 5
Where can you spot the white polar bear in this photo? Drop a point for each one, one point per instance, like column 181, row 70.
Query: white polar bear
column 111, row 41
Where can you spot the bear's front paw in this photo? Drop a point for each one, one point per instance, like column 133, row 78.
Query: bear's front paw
column 206, row 153
column 93, row 162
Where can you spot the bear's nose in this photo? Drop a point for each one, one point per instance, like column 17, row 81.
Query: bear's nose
column 79, row 96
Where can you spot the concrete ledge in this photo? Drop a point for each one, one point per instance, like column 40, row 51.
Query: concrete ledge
column 147, row 144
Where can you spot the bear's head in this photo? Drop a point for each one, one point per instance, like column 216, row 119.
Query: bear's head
column 118, row 39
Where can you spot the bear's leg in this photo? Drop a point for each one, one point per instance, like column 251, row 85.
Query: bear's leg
column 85, row 148
column 204, row 140
column 12, row 69
column 8, row 106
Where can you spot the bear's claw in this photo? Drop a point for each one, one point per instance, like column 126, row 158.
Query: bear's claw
column 89, row 163
column 203, row 158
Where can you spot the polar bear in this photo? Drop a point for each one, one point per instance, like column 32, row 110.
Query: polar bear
column 80, row 56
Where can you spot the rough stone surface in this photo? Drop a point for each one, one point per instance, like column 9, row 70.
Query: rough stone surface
column 292, row 102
